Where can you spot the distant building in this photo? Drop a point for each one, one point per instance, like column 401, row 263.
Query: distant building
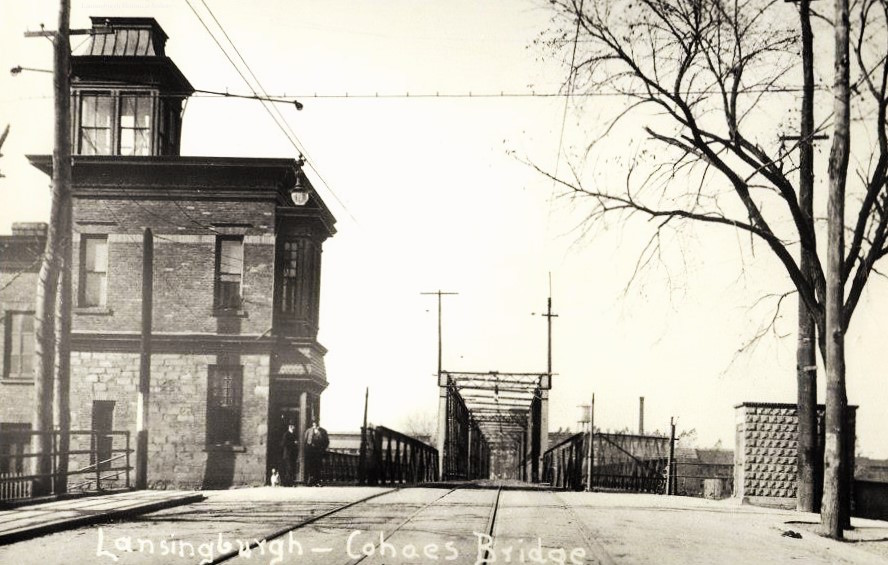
column 693, row 467
column 19, row 266
column 236, row 282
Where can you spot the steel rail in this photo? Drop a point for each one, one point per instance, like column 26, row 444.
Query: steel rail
column 221, row 558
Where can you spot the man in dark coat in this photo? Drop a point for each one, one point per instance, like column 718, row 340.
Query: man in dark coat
column 289, row 450
column 316, row 442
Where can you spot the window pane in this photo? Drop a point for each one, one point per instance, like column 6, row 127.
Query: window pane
column 142, row 142
column 224, row 388
column 135, row 125
column 94, row 295
column 231, row 260
column 88, row 111
column 229, row 294
column 96, row 111
column 20, row 352
column 94, row 275
column 135, row 111
column 127, row 141
column 97, row 255
column 95, row 141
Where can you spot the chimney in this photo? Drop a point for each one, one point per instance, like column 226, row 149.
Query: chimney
column 640, row 415
column 29, row 229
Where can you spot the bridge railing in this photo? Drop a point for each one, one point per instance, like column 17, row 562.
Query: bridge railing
column 563, row 464
column 619, row 462
column 340, row 467
column 390, row 457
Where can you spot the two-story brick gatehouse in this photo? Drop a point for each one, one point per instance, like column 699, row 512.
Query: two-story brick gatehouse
column 236, row 274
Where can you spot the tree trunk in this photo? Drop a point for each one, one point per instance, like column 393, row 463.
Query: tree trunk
column 807, row 491
column 47, row 285
column 834, row 448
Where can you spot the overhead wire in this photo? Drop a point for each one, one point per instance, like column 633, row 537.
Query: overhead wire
column 275, row 114
column 570, row 83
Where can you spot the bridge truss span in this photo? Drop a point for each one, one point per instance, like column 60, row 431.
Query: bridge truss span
column 492, row 424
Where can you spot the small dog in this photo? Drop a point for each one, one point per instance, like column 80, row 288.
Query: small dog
column 275, row 478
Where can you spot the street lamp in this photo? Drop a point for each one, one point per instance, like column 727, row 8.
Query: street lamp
column 15, row 71
column 299, row 193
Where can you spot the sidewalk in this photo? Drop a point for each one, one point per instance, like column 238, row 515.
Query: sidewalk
column 31, row 521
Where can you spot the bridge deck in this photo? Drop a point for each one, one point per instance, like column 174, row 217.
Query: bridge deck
column 333, row 525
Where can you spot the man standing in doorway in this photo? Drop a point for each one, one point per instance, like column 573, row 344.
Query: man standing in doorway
column 289, row 449
column 316, row 442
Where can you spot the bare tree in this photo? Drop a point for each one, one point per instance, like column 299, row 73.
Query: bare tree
column 421, row 425
column 703, row 75
column 2, row 141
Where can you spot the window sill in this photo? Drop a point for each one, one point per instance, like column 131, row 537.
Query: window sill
column 93, row 311
column 224, row 447
column 17, row 380
column 230, row 313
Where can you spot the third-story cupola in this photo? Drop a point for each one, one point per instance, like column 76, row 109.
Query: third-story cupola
column 127, row 94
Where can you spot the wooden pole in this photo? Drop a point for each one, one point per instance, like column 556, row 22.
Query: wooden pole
column 807, row 489
column 145, row 360
column 48, row 279
column 62, row 406
column 591, row 449
column 836, row 399
column 670, row 462
column 362, row 457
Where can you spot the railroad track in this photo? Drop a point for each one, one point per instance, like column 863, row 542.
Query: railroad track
column 435, row 519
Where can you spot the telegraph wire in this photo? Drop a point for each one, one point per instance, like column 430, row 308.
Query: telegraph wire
column 272, row 110
column 289, row 99
column 570, row 83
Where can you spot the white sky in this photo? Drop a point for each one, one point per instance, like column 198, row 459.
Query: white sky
column 434, row 199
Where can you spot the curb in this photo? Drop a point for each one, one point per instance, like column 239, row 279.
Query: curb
column 32, row 532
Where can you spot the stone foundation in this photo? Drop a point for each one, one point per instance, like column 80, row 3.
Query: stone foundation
column 178, row 453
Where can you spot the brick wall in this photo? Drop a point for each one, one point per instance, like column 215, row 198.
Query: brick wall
column 184, row 263
column 19, row 254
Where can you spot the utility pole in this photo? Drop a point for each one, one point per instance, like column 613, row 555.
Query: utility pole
column 544, row 393
column 670, row 462
column 439, row 294
column 591, row 450
column 362, row 454
column 57, row 257
column 835, row 497
column 808, row 471
column 145, row 360
column 62, row 407
column 53, row 254
column 442, row 390
column 549, row 315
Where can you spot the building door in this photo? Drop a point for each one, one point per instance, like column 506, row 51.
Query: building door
column 281, row 417
column 102, row 423
column 15, row 439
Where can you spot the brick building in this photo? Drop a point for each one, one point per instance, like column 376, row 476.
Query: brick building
column 19, row 266
column 236, row 275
